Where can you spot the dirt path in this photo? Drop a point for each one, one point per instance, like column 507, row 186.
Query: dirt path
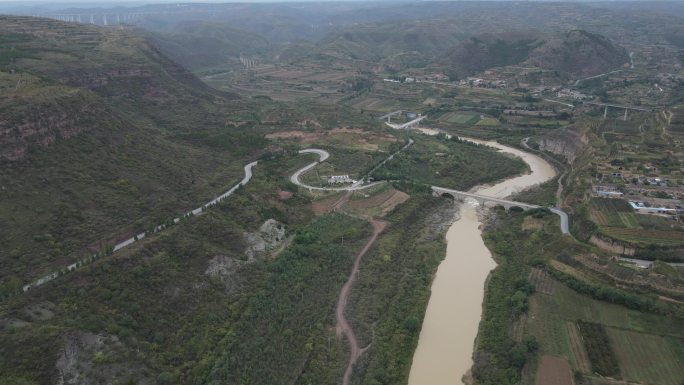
column 343, row 326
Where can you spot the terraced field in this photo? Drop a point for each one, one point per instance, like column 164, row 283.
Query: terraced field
column 665, row 238
column 488, row 122
column 612, row 212
column 622, row 272
column 459, row 118
column 579, row 353
column 552, row 321
column 616, row 220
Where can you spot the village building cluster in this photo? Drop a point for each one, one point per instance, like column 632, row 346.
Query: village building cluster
column 483, row 83
column 571, row 94
column 340, row 179
column 645, row 194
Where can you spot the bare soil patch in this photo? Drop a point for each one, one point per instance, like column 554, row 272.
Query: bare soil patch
column 532, row 224
column 380, row 204
column 284, row 195
column 554, row 371
column 324, row 205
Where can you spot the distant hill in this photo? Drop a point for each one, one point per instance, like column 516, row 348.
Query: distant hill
column 485, row 51
column 203, row 45
column 387, row 46
column 461, row 47
column 574, row 53
column 579, row 53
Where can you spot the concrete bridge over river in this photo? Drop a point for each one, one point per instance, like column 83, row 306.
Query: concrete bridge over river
column 507, row 204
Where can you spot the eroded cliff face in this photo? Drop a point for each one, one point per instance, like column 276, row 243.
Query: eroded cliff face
column 37, row 122
column 568, row 143
column 56, row 79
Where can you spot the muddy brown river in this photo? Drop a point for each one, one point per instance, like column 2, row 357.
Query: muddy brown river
column 445, row 346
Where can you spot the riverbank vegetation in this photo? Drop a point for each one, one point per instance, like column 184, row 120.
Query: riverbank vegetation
column 388, row 301
column 451, row 163
column 542, row 195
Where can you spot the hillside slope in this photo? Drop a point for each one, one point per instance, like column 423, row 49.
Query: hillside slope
column 481, row 52
column 101, row 136
column 579, row 53
column 461, row 48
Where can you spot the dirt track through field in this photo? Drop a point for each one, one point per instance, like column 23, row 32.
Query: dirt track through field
column 343, row 326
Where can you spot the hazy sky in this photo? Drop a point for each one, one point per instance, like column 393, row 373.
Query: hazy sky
column 118, row 2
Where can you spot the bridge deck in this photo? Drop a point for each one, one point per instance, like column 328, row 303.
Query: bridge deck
column 620, row 107
column 442, row 190
column 390, row 114
column 564, row 221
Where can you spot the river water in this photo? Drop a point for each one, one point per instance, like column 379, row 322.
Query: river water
column 445, row 345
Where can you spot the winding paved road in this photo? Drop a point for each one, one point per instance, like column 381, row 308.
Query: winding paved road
column 323, row 155
column 49, row 277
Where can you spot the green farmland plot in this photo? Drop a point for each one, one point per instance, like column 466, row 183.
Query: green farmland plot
column 617, row 220
column 456, row 118
column 635, row 337
column 613, row 212
column 648, row 358
column 665, row 238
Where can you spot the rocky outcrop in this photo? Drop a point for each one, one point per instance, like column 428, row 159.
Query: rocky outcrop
column 270, row 235
column 567, row 143
column 88, row 358
column 96, row 79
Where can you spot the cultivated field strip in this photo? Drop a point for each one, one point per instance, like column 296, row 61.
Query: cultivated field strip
column 579, row 354
column 542, row 281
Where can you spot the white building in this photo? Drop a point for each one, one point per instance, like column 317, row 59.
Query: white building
column 640, row 208
column 337, row 179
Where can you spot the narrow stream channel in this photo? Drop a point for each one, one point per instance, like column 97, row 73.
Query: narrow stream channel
column 445, row 346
